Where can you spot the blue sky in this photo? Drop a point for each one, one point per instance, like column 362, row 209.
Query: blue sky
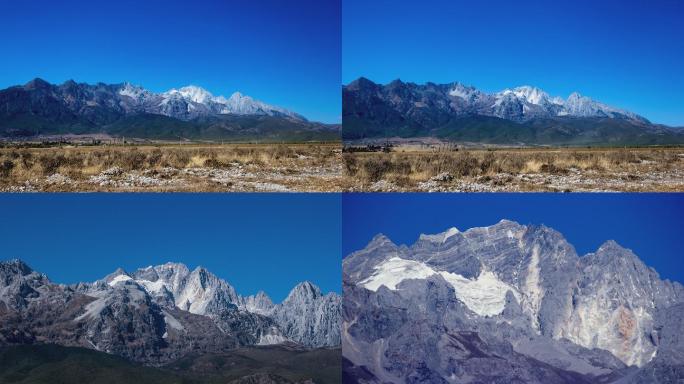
column 285, row 53
column 628, row 54
column 256, row 242
column 649, row 224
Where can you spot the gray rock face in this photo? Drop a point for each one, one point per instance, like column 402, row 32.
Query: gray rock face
column 309, row 317
column 505, row 303
column 158, row 314
column 259, row 303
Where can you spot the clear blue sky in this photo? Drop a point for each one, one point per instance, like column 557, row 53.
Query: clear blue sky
column 649, row 224
column 628, row 54
column 256, row 242
column 285, row 53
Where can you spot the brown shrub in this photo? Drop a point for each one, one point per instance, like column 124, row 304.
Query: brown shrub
column 27, row 159
column 351, row 166
column 50, row 164
column 463, row 164
column 5, row 168
column 553, row 169
column 376, row 168
column 154, row 158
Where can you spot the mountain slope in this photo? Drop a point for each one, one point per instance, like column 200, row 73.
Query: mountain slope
column 154, row 315
column 474, row 304
column 28, row 364
column 523, row 115
column 41, row 108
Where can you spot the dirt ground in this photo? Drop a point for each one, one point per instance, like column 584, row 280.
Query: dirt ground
column 163, row 168
column 412, row 168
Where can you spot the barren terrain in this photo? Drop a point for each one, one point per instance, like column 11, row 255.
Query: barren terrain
column 184, row 168
column 444, row 168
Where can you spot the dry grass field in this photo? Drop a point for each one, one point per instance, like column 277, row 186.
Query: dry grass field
column 187, row 168
column 410, row 168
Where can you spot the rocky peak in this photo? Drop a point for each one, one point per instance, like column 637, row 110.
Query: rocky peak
column 14, row 267
column 303, row 292
column 37, row 83
column 361, row 83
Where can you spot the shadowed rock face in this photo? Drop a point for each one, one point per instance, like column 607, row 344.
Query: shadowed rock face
column 504, row 303
column 159, row 314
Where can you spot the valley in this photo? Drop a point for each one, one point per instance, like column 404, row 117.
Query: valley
column 49, row 363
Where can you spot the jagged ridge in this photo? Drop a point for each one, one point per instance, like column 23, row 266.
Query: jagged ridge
column 517, row 292
column 159, row 313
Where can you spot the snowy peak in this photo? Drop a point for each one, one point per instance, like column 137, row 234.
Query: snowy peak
column 521, row 103
column 192, row 101
column 196, row 94
column 199, row 101
column 529, row 94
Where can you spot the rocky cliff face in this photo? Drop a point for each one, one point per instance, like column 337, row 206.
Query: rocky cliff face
column 506, row 301
column 158, row 314
column 308, row 315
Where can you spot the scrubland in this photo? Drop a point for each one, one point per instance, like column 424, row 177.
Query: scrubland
column 187, row 167
column 499, row 169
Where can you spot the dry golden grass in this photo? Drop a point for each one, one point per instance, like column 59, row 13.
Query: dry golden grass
column 633, row 169
column 37, row 168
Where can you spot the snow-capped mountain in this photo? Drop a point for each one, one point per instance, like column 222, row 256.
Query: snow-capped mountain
column 192, row 102
column 159, row 313
column 41, row 108
column 513, row 298
column 519, row 104
column 521, row 115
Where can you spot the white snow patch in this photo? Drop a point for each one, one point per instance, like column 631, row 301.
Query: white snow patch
column 458, row 92
column 153, row 287
column 119, row 279
column 395, row 270
column 485, row 295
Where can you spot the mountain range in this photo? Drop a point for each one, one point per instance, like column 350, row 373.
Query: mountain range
column 40, row 108
column 508, row 303
column 159, row 314
column 520, row 116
